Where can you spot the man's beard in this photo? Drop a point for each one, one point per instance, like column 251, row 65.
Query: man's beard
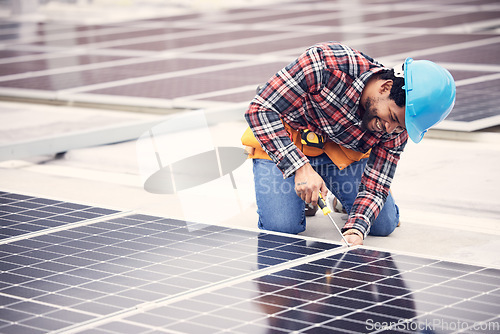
column 370, row 114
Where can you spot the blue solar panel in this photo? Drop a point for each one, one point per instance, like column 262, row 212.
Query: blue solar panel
column 144, row 274
column 359, row 291
column 21, row 214
column 111, row 266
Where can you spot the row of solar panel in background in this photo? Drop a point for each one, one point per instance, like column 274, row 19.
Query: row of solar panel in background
column 106, row 59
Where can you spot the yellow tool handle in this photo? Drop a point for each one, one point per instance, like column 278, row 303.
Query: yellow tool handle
column 322, row 204
column 326, row 212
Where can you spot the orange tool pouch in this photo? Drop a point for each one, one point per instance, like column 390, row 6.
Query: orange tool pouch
column 311, row 146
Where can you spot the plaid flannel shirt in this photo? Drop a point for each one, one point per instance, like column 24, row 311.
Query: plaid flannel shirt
column 321, row 91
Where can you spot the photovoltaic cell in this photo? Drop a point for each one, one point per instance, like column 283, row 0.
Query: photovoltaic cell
column 109, row 74
column 360, row 291
column 196, row 83
column 269, row 17
column 14, row 54
column 104, row 36
column 21, row 214
column 408, row 45
column 53, row 63
column 484, row 54
column 451, row 20
column 476, row 101
column 298, row 43
column 93, row 271
column 144, row 274
column 195, row 40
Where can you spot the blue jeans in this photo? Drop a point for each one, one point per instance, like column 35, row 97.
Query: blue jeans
column 281, row 210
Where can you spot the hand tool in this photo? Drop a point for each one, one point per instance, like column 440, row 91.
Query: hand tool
column 326, row 211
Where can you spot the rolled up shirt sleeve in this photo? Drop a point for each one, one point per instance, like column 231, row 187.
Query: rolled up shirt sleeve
column 281, row 99
column 375, row 183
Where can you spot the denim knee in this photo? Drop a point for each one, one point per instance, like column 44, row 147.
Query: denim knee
column 284, row 222
column 278, row 206
column 386, row 222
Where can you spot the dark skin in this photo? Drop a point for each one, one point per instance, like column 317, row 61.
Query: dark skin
column 381, row 114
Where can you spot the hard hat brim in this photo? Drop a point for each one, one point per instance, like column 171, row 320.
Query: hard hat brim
column 430, row 96
column 415, row 134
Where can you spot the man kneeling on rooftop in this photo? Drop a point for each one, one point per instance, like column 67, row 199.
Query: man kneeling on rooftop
column 336, row 119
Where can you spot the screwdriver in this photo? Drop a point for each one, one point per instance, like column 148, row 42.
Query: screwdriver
column 326, row 211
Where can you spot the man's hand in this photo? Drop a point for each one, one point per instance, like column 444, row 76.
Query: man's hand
column 249, row 150
column 308, row 184
column 353, row 237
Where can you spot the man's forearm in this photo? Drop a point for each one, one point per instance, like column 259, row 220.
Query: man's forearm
column 271, row 134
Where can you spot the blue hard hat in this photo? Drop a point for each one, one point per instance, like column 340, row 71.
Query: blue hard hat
column 430, row 96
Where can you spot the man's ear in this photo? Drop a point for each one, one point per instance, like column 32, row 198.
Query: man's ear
column 386, row 86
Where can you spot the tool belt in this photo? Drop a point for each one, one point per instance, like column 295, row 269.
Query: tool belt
column 311, row 144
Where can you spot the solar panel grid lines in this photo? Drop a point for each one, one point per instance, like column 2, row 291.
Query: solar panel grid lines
column 129, row 38
column 447, row 299
column 26, row 216
column 435, row 52
column 479, row 96
column 219, row 80
column 100, row 82
column 412, row 18
column 71, row 31
column 187, row 316
column 104, row 267
column 160, row 304
column 152, row 274
column 222, row 40
column 79, row 65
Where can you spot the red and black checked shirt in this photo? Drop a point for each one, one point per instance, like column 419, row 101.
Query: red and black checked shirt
column 321, row 91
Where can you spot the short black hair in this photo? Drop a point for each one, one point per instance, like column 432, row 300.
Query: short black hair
column 397, row 91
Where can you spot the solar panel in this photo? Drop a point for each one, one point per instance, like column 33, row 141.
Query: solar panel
column 197, row 83
column 359, row 291
column 111, row 266
column 137, row 273
column 35, row 64
column 478, row 101
column 21, row 214
column 60, row 81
